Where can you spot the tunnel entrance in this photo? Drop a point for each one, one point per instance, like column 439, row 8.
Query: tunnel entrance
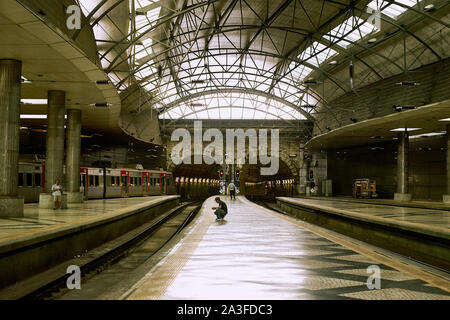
column 257, row 187
column 199, row 181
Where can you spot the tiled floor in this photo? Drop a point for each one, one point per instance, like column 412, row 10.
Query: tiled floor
column 430, row 217
column 256, row 255
column 35, row 218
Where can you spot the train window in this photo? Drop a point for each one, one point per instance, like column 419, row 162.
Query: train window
column 96, row 181
column 158, row 180
column 117, row 181
column 29, row 178
column 140, row 181
column 20, row 182
column 168, row 181
column 91, row 181
column 37, row 179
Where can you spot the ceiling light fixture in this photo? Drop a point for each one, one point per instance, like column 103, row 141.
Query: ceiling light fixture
column 33, row 101
column 428, row 8
column 401, row 108
column 310, row 81
column 408, row 83
column 25, row 80
column 101, row 105
column 430, row 134
column 403, row 129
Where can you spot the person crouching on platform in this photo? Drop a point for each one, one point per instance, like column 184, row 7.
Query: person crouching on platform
column 57, row 195
column 220, row 211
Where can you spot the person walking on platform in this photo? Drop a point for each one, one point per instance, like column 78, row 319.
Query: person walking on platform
column 232, row 189
column 57, row 195
column 220, row 211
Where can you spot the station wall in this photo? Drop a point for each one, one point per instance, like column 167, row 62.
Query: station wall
column 427, row 171
column 378, row 99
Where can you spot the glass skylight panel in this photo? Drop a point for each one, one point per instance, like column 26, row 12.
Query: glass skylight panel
column 300, row 72
column 316, row 53
column 351, row 30
column 232, row 105
column 153, row 15
column 391, row 9
column 143, row 3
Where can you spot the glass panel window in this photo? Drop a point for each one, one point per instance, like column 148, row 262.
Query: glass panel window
column 391, row 9
column 37, row 179
column 29, row 178
column 351, row 30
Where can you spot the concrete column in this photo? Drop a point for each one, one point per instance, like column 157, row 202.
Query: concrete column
column 446, row 197
column 303, row 171
column 73, row 156
column 54, row 159
column 402, row 168
column 10, row 72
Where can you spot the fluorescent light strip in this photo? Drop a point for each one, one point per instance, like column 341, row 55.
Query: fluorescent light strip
column 430, row 134
column 446, row 119
column 36, row 116
column 407, row 129
column 33, row 101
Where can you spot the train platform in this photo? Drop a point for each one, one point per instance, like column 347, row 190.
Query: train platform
column 423, row 204
column 257, row 253
column 46, row 237
column 425, row 218
column 37, row 220
column 420, row 233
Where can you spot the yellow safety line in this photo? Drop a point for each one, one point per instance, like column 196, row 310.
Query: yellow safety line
column 401, row 266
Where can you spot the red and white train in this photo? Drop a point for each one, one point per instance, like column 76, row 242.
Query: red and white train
column 99, row 183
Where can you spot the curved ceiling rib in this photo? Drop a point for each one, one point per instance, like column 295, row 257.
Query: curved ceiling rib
column 272, row 48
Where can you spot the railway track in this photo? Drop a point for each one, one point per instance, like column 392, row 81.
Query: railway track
column 138, row 246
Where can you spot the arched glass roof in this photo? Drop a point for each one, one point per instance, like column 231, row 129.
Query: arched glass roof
column 296, row 51
column 233, row 105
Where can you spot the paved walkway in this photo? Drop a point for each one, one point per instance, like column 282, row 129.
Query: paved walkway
column 258, row 254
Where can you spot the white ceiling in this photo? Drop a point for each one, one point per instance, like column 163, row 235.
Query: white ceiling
column 53, row 63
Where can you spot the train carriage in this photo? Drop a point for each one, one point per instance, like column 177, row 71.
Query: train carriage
column 98, row 183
